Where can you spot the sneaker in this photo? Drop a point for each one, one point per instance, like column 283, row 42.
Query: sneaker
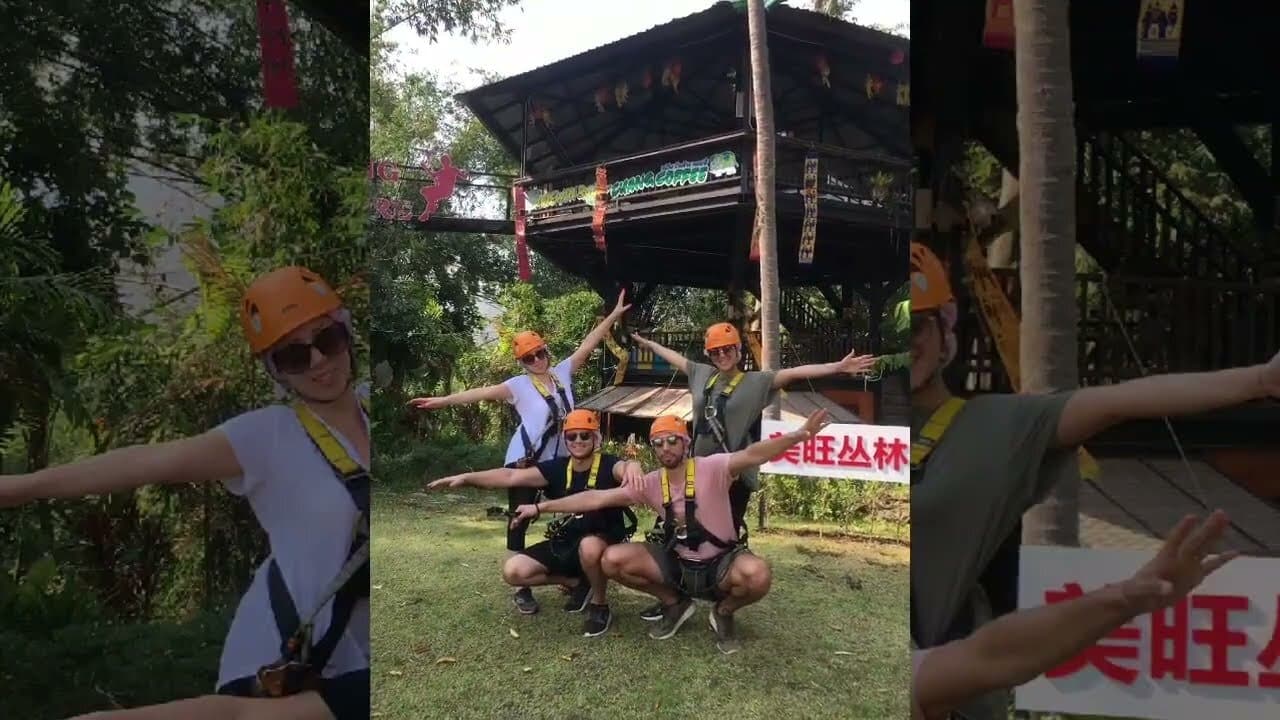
column 525, row 602
column 726, row 633
column 653, row 613
column 598, row 620
column 673, row 616
column 579, row 596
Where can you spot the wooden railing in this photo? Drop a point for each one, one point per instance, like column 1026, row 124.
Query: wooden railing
column 1174, row 324
column 1134, row 220
column 720, row 169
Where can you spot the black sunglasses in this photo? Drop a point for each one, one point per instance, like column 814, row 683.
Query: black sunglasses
column 670, row 441
column 295, row 358
column 534, row 356
column 579, row 436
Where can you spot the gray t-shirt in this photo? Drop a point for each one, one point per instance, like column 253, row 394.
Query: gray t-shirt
column 753, row 394
column 996, row 460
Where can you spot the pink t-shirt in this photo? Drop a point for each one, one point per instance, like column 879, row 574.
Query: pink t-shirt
column 710, row 490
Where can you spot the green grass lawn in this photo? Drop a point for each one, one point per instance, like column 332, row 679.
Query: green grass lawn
column 830, row 640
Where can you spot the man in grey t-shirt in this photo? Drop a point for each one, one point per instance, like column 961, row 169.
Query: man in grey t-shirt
column 1001, row 454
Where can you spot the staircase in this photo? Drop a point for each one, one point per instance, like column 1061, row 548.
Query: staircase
column 1132, row 219
column 810, row 333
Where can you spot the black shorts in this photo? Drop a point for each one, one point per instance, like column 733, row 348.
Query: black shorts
column 559, row 557
column 698, row 580
column 346, row 696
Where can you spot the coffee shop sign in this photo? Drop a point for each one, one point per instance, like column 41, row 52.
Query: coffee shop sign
column 676, row 174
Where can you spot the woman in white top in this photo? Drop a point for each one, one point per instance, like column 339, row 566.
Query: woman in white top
column 1018, row 647
column 542, row 396
column 298, row 328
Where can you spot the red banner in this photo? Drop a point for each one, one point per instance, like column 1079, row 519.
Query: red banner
column 997, row 33
column 279, row 82
column 602, row 204
column 522, row 247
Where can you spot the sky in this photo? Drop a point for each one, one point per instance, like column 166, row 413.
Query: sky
column 573, row 27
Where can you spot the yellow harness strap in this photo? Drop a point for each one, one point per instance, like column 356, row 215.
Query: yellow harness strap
column 732, row 383
column 933, row 430
column 333, row 451
column 591, row 479
column 688, row 483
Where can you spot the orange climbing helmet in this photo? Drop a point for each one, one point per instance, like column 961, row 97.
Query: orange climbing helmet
column 580, row 419
column 526, row 342
column 282, row 301
column 668, row 425
column 930, row 288
column 722, row 335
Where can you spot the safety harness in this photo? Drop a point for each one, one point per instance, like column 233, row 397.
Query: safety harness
column 921, row 449
column 302, row 661
column 555, row 414
column 569, row 527
column 691, row 533
column 713, row 410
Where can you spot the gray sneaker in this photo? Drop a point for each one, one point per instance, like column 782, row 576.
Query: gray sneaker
column 525, row 601
column 726, row 632
column 598, row 620
column 653, row 613
column 673, row 616
column 579, row 596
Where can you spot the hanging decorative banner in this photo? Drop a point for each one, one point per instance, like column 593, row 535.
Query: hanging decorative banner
column 602, row 97
column 602, row 204
column 445, row 180
column 874, row 86
column 722, row 165
column 904, row 94
column 997, row 33
column 1159, row 31
column 646, row 79
column 809, row 230
column 621, row 93
column 279, row 83
column 824, row 69
column 522, row 247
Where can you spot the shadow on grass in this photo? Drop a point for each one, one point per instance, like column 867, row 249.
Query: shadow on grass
column 82, row 668
column 830, row 640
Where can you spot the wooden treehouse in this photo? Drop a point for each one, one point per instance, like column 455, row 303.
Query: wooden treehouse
column 637, row 171
column 1188, row 294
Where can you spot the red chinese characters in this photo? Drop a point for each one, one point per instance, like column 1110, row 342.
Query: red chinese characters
column 1101, row 656
column 1219, row 638
column 1171, row 639
column 891, row 454
column 1269, row 658
column 847, row 452
column 854, row 456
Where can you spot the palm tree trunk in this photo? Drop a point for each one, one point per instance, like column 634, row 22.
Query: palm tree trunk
column 1047, row 225
column 765, row 185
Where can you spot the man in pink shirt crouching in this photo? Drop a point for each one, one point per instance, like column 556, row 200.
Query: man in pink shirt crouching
column 696, row 555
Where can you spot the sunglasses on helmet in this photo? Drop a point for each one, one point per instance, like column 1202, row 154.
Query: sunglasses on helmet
column 535, row 356
column 295, row 358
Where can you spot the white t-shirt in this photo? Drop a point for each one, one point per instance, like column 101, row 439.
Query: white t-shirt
column 309, row 518
column 533, row 410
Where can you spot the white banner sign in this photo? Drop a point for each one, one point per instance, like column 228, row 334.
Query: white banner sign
column 1214, row 655
column 849, row 452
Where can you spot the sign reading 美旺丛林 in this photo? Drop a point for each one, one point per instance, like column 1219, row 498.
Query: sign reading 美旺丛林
column 670, row 175
column 1215, row 654
column 844, row 451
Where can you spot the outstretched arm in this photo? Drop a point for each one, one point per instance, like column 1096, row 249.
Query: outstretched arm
column 1092, row 410
column 1018, row 647
column 757, row 454
column 852, row 364
column 203, row 458
column 576, row 503
column 495, row 478
column 466, row 397
column 597, row 335
column 677, row 360
column 304, row 706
